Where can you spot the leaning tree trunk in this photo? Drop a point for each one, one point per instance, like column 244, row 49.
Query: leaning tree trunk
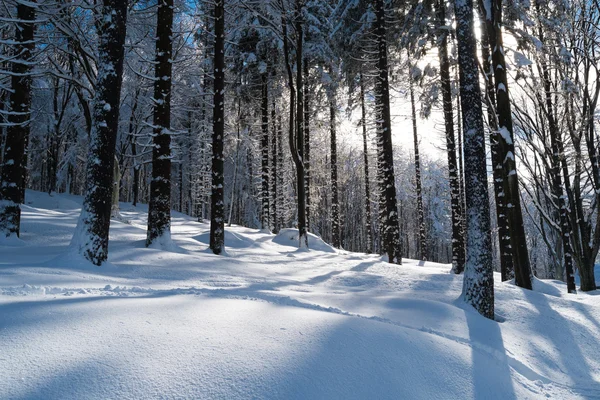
column 478, row 288
column 335, row 206
column 265, row 153
column 506, row 147
column 217, row 214
column 159, row 208
column 368, row 222
column 458, row 241
column 12, row 178
column 389, row 214
column 91, row 235
column 422, row 248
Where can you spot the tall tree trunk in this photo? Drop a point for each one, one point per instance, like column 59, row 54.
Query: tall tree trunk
column 488, row 36
column 389, row 215
column 296, row 142
column 280, row 208
column 12, row 180
column 478, row 289
column 456, row 205
column 217, row 214
column 265, row 214
column 335, row 206
column 159, row 209
column 91, row 235
column 300, row 168
column 422, row 247
column 368, row 222
column 557, row 153
column 274, row 170
column 133, row 143
column 307, row 106
column 506, row 147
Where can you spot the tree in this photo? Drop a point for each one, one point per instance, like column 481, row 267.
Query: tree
column 506, row 148
column 504, row 245
column 422, row 242
column 478, row 287
column 217, row 215
column 13, row 172
column 363, row 121
column 335, row 206
column 458, row 243
column 389, row 212
column 265, row 151
column 159, row 209
column 91, row 234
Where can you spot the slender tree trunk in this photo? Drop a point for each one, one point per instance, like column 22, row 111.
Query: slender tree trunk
column 159, row 208
column 133, row 143
column 274, row 170
column 335, row 206
column 307, row 106
column 389, row 215
column 12, row 180
column 368, row 222
column 563, row 199
column 91, row 235
column 456, row 205
column 506, row 147
column 300, row 168
column 296, row 142
column 478, row 289
column 265, row 154
column 279, row 193
column 422, row 248
column 217, row 215
column 241, row 121
column 488, row 36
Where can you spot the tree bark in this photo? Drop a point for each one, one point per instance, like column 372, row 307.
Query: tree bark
column 488, row 36
column 12, row 180
column 307, row 106
column 159, row 208
column 506, row 147
column 217, row 215
column 368, row 222
column 456, row 205
column 389, row 215
column 91, row 235
column 265, row 153
column 335, row 206
column 478, row 287
column 422, row 247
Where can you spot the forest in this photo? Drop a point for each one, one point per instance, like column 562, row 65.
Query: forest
column 338, row 163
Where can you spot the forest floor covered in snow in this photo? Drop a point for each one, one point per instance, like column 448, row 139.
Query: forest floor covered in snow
column 269, row 321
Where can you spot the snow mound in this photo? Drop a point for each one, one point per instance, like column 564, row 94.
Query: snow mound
column 11, row 241
column 289, row 237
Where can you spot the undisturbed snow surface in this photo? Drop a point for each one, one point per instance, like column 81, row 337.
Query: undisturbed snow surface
column 269, row 321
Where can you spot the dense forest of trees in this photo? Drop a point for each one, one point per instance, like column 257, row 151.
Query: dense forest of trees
column 284, row 113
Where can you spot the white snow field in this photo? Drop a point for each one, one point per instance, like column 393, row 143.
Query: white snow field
column 268, row 321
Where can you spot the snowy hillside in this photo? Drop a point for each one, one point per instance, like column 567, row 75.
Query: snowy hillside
column 268, row 321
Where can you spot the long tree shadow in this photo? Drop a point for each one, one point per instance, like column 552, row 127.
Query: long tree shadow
column 490, row 364
column 561, row 337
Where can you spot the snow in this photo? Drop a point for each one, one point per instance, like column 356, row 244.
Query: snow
column 270, row 322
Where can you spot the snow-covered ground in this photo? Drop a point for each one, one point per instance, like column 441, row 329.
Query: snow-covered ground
column 268, row 321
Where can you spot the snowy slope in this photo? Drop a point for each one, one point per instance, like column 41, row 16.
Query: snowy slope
column 268, row 321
